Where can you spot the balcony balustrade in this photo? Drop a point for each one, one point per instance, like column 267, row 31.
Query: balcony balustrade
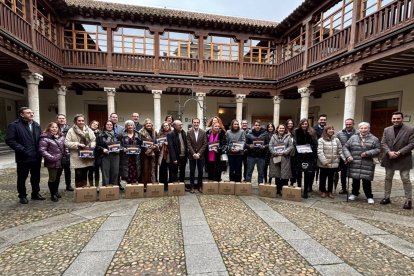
column 178, row 65
column 260, row 71
column 84, row 59
column 47, row 48
column 290, row 66
column 133, row 62
column 14, row 24
column 227, row 69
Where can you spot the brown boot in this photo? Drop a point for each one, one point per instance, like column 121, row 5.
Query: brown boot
column 408, row 204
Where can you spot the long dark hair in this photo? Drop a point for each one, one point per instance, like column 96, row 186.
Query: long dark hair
column 309, row 129
column 270, row 124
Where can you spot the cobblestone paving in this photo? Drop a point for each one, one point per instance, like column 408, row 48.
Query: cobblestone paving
column 50, row 254
column 403, row 232
column 247, row 244
column 153, row 243
column 364, row 254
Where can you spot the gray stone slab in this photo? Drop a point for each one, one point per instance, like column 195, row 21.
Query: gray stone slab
column 288, row 231
column 90, row 264
column 203, row 258
column 336, row 215
column 314, row 252
column 255, row 203
column 364, row 228
column 102, row 208
column 400, row 245
column 270, row 216
column 128, row 211
column 104, row 241
column 336, row 269
column 216, row 273
column 116, row 223
column 198, row 234
column 186, row 222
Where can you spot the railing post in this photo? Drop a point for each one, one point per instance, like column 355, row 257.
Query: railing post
column 354, row 32
column 109, row 49
column 241, row 40
column 156, row 31
column 308, row 42
column 32, row 22
column 200, row 36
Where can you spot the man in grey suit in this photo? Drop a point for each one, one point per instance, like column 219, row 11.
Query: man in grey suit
column 197, row 143
column 117, row 128
column 397, row 143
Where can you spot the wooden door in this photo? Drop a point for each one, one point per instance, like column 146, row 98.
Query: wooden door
column 99, row 113
column 380, row 119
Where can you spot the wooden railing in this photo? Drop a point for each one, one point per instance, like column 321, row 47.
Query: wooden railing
column 14, row 24
column 330, row 46
column 174, row 65
column 221, row 68
column 393, row 16
column 259, row 71
column 84, row 59
column 47, row 48
column 291, row 66
column 132, row 62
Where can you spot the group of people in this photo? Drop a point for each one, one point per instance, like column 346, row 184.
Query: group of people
column 137, row 153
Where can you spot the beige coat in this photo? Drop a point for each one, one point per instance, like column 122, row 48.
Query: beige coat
column 72, row 141
column 329, row 153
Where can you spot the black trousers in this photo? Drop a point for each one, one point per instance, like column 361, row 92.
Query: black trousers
column 280, row 183
column 326, row 173
column 308, row 180
column 235, row 167
column 366, row 186
column 23, row 169
column 213, row 171
column 244, row 166
column 81, row 176
column 94, row 171
column 177, row 171
column 344, row 174
column 199, row 163
column 68, row 174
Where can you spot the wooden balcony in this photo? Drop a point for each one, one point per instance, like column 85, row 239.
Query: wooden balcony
column 47, row 48
column 290, row 66
column 329, row 47
column 14, row 24
column 178, row 65
column 393, row 16
column 227, row 69
column 260, row 71
column 133, row 62
column 84, row 59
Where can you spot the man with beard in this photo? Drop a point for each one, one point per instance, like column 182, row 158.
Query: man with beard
column 61, row 122
column 246, row 129
column 197, row 143
column 135, row 119
column 235, row 138
column 257, row 142
column 397, row 144
column 177, row 149
column 319, row 130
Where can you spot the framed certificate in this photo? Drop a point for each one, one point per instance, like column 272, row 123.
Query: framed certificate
column 237, row 146
column 278, row 149
column 133, row 149
column 304, row 148
column 258, row 143
column 213, row 146
column 162, row 140
column 147, row 144
column 115, row 147
column 87, row 153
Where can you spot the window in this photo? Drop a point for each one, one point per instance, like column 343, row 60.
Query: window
column 295, row 44
column 370, row 6
column 89, row 37
column 43, row 21
column 16, row 5
column 221, row 48
column 259, row 51
column 174, row 44
column 333, row 20
column 133, row 41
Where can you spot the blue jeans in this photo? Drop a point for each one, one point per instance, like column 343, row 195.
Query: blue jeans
column 251, row 161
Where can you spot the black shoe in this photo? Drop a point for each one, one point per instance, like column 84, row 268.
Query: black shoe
column 305, row 195
column 38, row 197
column 69, row 188
column 54, row 198
column 385, row 200
column 343, row 192
column 23, row 200
column 408, row 205
column 58, row 195
column 121, row 188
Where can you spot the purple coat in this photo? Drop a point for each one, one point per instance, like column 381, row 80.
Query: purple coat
column 52, row 150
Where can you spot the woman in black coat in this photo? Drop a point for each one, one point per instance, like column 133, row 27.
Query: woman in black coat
column 306, row 154
column 214, row 165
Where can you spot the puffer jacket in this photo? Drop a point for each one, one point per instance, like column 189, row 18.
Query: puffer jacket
column 329, row 153
column 362, row 168
column 52, row 149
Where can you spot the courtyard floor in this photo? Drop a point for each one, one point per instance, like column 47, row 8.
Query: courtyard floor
column 200, row 234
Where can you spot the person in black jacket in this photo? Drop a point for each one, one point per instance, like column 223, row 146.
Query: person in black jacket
column 64, row 128
column 23, row 137
column 177, row 149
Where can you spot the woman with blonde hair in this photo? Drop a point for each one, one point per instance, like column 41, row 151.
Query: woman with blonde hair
column 149, row 148
column 214, row 120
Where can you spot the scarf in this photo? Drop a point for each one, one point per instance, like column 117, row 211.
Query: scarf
column 82, row 134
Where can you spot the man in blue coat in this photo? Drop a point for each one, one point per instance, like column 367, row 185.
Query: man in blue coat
column 23, row 137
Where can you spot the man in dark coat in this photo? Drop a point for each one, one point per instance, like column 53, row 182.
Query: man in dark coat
column 319, row 130
column 135, row 119
column 64, row 128
column 197, row 143
column 177, row 148
column 397, row 144
column 257, row 143
column 23, row 137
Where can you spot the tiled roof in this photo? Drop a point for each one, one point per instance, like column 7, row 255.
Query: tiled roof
column 168, row 13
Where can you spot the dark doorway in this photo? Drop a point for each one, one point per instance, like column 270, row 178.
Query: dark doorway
column 98, row 112
column 381, row 113
column 227, row 114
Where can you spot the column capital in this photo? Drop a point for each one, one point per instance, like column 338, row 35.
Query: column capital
column 240, row 98
column 200, row 94
column 110, row 91
column 277, row 99
column 156, row 94
column 32, row 78
column 305, row 91
column 351, row 79
column 61, row 90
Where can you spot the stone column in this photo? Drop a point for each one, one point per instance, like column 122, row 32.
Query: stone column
column 200, row 110
column 239, row 107
column 157, row 108
column 61, row 97
column 110, row 96
column 305, row 93
column 351, row 82
column 276, row 109
column 33, row 80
